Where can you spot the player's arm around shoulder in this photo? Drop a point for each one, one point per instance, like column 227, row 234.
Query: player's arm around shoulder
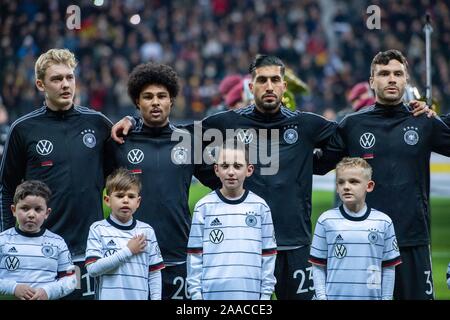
column 440, row 139
column 320, row 128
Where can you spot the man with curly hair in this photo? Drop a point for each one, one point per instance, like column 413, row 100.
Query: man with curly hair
column 165, row 169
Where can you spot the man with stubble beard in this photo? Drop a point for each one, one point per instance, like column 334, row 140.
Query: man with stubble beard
column 398, row 148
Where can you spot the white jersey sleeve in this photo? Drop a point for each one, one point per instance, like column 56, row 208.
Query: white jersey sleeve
column 320, row 278
column 154, row 254
column 67, row 280
column 387, row 283
column 448, row 276
column 97, row 265
column 268, row 253
column 319, row 246
column 155, row 265
column 391, row 253
column 155, row 284
column 195, row 254
column 7, row 286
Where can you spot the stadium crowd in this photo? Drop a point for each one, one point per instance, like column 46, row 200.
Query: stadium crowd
column 326, row 43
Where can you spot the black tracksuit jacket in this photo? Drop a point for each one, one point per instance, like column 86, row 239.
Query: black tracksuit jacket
column 288, row 192
column 398, row 146
column 165, row 169
column 66, row 151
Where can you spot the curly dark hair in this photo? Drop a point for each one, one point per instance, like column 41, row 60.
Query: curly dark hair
column 152, row 73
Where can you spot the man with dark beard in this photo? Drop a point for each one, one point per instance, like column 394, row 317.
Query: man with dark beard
column 291, row 138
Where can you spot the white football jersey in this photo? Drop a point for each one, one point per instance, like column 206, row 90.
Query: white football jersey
column 233, row 236
column 33, row 259
column 129, row 281
column 354, row 251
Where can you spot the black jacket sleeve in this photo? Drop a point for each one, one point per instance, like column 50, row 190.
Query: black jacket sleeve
column 446, row 119
column 202, row 171
column 441, row 137
column 332, row 148
column 109, row 157
column 12, row 172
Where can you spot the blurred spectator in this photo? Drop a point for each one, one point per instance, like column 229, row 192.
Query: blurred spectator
column 225, row 86
column 205, row 40
column 360, row 96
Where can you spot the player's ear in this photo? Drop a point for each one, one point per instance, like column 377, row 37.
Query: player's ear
column 250, row 169
column 138, row 201
column 370, row 186
column 371, row 82
column 48, row 212
column 40, row 85
column 216, row 169
column 136, row 102
column 13, row 209
column 250, row 86
column 107, row 200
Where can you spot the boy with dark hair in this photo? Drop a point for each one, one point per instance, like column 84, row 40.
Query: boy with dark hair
column 35, row 263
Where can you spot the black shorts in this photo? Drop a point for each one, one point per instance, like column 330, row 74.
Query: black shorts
column 413, row 277
column 294, row 275
column 174, row 284
column 85, row 289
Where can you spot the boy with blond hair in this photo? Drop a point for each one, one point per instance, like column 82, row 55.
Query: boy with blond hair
column 354, row 249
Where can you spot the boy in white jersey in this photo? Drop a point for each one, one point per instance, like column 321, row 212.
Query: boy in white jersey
column 231, row 248
column 122, row 252
column 354, row 249
column 35, row 264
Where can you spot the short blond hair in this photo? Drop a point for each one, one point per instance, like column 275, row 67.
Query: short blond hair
column 356, row 162
column 122, row 180
column 53, row 56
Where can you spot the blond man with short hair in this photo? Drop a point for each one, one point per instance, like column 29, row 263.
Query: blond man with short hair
column 62, row 145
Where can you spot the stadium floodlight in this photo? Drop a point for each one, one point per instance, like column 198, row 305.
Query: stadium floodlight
column 135, row 19
column 98, row 3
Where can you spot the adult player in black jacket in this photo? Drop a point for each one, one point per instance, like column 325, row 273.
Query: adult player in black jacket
column 62, row 145
column 398, row 148
column 284, row 178
column 164, row 166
